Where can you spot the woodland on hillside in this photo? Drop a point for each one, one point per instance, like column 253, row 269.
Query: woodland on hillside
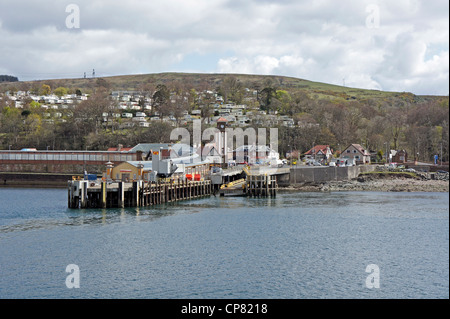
column 322, row 114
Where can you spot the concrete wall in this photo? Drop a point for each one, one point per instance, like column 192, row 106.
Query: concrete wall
column 34, row 180
column 311, row 174
column 52, row 168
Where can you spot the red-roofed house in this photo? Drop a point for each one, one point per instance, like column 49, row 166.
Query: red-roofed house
column 320, row 153
column 119, row 149
column 357, row 153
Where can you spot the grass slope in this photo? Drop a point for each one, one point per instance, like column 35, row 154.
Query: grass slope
column 316, row 90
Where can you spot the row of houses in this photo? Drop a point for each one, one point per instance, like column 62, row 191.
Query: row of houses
column 47, row 101
column 127, row 101
column 354, row 154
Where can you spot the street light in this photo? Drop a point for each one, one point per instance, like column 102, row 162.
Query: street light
column 386, row 143
column 290, row 155
column 109, row 167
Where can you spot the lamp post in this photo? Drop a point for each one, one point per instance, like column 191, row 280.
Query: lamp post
column 109, row 167
column 140, row 167
column 387, row 161
column 290, row 155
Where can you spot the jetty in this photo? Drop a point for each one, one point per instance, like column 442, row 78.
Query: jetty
column 86, row 194
column 257, row 182
column 164, row 180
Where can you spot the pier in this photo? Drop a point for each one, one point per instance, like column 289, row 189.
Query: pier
column 101, row 193
column 256, row 183
column 88, row 194
column 164, row 180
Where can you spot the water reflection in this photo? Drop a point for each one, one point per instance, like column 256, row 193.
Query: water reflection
column 63, row 217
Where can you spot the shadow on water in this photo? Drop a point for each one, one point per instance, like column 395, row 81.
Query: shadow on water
column 48, row 217
column 98, row 217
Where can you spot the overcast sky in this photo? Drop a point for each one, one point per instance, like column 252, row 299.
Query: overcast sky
column 389, row 45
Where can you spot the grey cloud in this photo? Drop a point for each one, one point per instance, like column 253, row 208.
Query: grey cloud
column 323, row 40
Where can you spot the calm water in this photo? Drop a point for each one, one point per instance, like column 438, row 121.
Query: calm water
column 298, row 245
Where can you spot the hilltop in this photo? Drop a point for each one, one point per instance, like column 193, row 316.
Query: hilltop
column 201, row 81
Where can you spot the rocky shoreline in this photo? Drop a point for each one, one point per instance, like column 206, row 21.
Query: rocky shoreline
column 375, row 184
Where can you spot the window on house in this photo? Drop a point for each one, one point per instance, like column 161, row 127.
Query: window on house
column 354, row 151
column 348, row 151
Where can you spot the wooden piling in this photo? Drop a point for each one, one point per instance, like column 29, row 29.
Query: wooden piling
column 104, row 193
column 121, row 196
column 84, row 194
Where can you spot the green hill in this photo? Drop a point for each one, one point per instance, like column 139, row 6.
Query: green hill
column 315, row 90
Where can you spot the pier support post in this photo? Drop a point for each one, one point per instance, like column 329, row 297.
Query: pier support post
column 141, row 193
column 83, row 193
column 121, row 195
column 70, row 194
column 103, row 194
column 135, row 199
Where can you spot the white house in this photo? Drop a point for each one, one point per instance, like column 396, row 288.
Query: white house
column 256, row 154
column 356, row 152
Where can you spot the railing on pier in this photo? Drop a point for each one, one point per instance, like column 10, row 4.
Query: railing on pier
column 86, row 194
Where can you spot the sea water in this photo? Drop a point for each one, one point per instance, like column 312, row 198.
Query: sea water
column 295, row 246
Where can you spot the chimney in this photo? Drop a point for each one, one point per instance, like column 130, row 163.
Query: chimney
column 119, row 147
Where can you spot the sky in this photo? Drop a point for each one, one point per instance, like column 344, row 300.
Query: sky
column 397, row 45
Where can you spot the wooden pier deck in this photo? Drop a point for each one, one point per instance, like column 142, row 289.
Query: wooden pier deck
column 87, row 194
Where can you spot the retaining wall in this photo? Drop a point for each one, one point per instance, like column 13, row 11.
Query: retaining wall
column 311, row 174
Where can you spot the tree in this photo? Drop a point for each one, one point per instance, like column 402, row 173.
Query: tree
column 299, row 102
column 161, row 100
column 60, row 91
column 89, row 113
column 178, row 105
column 45, row 89
column 231, row 89
column 11, row 124
column 265, row 98
column 285, row 99
column 8, row 78
column 396, row 124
